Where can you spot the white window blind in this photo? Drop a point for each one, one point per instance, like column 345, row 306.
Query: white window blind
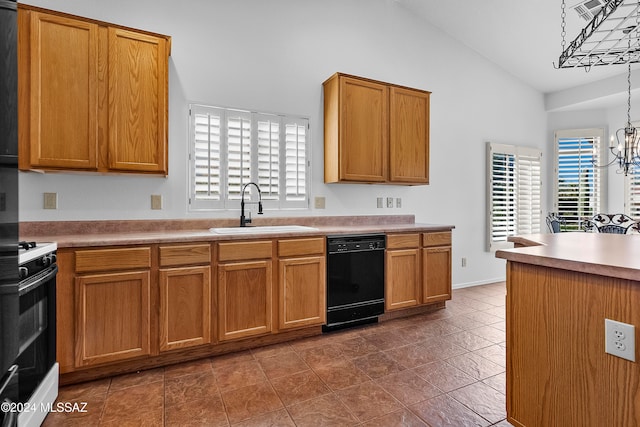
column 632, row 194
column 230, row 148
column 632, row 190
column 514, row 192
column 578, row 186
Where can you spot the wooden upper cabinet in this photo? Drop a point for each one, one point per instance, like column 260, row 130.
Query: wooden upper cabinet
column 409, row 136
column 375, row 132
column 137, row 101
column 63, row 101
column 93, row 95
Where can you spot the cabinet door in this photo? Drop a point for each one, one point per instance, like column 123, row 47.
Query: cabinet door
column 409, row 136
column 364, row 135
column 112, row 320
column 302, row 287
column 244, row 299
column 63, row 100
column 436, row 274
column 137, row 102
column 402, row 279
column 185, row 306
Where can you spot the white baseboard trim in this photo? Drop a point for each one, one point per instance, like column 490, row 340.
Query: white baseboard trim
column 478, row 283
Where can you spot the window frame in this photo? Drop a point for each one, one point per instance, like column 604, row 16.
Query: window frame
column 631, row 187
column 601, row 183
column 227, row 197
column 518, row 183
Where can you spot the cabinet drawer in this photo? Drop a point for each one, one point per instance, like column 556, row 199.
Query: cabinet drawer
column 295, row 247
column 436, row 239
column 185, row 255
column 397, row 241
column 244, row 250
column 112, row 259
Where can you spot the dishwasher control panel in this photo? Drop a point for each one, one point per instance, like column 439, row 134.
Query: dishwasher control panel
column 356, row 243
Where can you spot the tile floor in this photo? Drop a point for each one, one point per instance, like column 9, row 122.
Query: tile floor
column 441, row 369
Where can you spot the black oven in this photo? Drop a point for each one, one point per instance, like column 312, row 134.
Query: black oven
column 355, row 279
column 37, row 318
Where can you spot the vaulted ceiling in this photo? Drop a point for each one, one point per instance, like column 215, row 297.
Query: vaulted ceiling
column 522, row 37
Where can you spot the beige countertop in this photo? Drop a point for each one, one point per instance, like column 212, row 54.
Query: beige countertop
column 613, row 255
column 112, row 233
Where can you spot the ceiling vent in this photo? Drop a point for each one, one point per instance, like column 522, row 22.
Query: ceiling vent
column 587, row 9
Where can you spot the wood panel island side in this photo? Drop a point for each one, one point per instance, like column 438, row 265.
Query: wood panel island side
column 560, row 289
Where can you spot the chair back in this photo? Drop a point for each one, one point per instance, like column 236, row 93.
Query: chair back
column 555, row 223
column 612, row 223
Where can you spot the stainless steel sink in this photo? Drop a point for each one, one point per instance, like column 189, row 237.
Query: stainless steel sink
column 262, row 229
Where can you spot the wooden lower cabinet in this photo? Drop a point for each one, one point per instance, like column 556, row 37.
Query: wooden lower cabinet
column 418, row 269
column 302, row 292
column 437, row 274
column 244, row 299
column 436, row 267
column 184, row 283
column 402, row 273
column 185, row 307
column 112, row 317
column 302, row 282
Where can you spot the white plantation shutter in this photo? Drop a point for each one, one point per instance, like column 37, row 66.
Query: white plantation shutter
column 514, row 192
column 632, row 195
column 230, row 148
column 205, row 157
column 578, row 187
column 238, row 152
column 296, row 160
column 268, row 156
column 632, row 191
column 529, row 191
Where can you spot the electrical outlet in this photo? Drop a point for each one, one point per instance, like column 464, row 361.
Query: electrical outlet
column 464, row 262
column 620, row 339
column 50, row 201
column 379, row 202
column 389, row 202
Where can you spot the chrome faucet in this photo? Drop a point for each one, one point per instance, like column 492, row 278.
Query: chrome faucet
column 244, row 221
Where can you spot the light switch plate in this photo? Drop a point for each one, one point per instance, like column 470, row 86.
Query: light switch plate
column 50, row 200
column 319, row 202
column 379, row 202
column 156, row 201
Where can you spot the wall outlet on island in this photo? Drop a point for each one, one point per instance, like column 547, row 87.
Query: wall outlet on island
column 464, row 262
column 620, row 339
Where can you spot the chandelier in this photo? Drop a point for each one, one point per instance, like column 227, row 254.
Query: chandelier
column 601, row 42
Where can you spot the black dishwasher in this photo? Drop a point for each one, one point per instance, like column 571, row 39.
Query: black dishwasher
column 355, row 279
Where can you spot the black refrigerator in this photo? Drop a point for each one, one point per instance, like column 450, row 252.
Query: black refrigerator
column 9, row 305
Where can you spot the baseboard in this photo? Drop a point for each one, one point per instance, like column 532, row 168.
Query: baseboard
column 478, row 283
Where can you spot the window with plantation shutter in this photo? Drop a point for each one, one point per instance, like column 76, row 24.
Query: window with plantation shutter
column 632, row 194
column 578, row 186
column 514, row 193
column 632, row 190
column 230, row 148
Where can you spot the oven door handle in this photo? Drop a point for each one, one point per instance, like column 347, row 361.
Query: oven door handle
column 12, row 371
column 38, row 280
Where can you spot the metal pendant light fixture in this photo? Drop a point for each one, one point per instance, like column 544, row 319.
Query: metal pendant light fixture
column 601, row 42
column 626, row 149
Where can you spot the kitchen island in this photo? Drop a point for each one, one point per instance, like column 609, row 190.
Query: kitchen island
column 560, row 289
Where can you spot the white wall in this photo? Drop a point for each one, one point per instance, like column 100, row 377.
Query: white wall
column 273, row 56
